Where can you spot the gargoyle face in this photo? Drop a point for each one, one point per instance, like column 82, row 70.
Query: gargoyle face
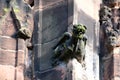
column 112, row 41
column 105, row 13
column 79, row 31
column 112, row 38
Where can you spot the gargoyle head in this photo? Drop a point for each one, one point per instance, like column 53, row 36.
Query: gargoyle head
column 79, row 30
column 112, row 38
column 105, row 13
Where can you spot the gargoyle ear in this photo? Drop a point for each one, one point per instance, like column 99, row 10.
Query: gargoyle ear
column 85, row 27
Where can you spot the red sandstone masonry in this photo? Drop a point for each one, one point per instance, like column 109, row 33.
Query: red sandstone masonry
column 8, row 42
column 116, row 64
column 11, row 73
column 7, row 28
column 7, row 57
column 8, row 49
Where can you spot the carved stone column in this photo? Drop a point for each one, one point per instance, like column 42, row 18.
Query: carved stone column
column 109, row 39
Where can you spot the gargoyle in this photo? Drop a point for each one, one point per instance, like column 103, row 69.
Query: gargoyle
column 105, row 14
column 111, row 33
column 71, row 45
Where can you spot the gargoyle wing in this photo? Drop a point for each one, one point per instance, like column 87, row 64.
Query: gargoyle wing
column 66, row 36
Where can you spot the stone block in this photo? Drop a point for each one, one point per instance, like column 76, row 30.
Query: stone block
column 21, row 58
column 9, row 43
column 7, row 27
column 7, row 57
column 7, row 72
column 11, row 73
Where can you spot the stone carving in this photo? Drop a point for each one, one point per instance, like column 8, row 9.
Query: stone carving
column 110, row 32
column 71, row 45
column 105, row 14
column 23, row 32
column 111, row 3
column 15, row 9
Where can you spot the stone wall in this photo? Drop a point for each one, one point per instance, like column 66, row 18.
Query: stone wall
column 12, row 49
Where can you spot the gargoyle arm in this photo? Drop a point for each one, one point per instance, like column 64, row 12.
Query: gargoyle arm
column 66, row 36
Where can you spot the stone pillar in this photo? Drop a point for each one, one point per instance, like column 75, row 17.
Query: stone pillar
column 12, row 49
column 51, row 20
column 110, row 48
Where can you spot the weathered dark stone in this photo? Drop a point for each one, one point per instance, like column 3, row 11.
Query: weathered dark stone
column 54, row 19
column 58, row 73
column 51, row 23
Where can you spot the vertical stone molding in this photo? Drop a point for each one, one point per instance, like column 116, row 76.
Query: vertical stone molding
column 109, row 46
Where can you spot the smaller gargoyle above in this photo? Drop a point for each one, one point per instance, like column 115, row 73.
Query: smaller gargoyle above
column 105, row 14
column 71, row 45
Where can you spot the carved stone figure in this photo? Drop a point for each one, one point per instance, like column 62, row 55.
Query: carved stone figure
column 22, row 32
column 105, row 14
column 110, row 33
column 112, row 39
column 71, row 45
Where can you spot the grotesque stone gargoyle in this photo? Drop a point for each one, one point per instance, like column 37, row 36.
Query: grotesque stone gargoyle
column 112, row 36
column 71, row 45
column 105, row 14
column 106, row 19
column 110, row 32
column 21, row 13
